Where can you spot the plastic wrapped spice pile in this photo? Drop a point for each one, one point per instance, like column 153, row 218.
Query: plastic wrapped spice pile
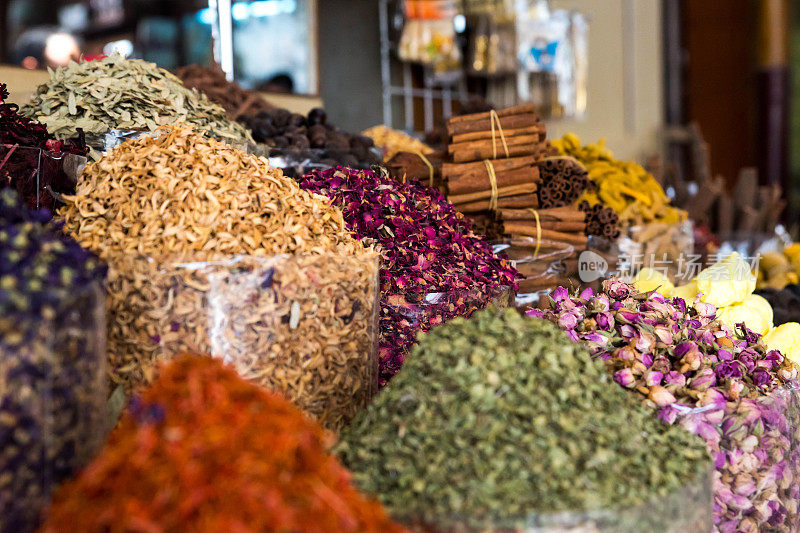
column 172, row 213
column 427, row 247
column 203, row 450
column 30, row 158
column 129, row 94
column 498, row 418
column 52, row 360
column 717, row 382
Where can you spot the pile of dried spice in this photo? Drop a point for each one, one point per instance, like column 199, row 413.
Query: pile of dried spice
column 172, row 213
column 52, row 360
column 31, row 159
column 212, row 82
column 497, row 418
column 717, row 382
column 129, row 94
column 203, row 450
column 434, row 268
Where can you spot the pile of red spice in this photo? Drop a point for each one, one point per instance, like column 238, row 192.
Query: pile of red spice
column 28, row 151
column 433, row 268
column 205, row 450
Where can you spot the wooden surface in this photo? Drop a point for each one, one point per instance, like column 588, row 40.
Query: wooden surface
column 21, row 82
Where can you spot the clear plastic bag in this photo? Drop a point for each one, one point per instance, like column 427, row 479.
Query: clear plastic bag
column 684, row 511
column 304, row 325
column 755, row 447
column 667, row 248
column 40, row 176
column 404, row 316
column 543, row 267
column 103, row 143
column 53, row 393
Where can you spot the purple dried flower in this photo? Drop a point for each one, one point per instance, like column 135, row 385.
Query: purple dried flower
column 617, row 290
column 427, row 246
column 625, row 377
column 568, row 321
column 703, row 379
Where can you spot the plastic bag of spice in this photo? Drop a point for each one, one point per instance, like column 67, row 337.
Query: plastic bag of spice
column 404, row 316
column 541, row 264
column 39, row 176
column 755, row 445
column 667, row 248
column 103, row 143
column 685, row 510
column 301, row 324
column 53, row 391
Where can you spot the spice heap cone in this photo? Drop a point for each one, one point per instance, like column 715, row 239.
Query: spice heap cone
column 512, row 419
column 172, row 213
column 52, row 360
column 426, row 246
column 203, row 450
column 118, row 93
column 717, row 382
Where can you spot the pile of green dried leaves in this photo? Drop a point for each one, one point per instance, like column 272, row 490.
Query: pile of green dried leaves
column 500, row 417
column 118, row 93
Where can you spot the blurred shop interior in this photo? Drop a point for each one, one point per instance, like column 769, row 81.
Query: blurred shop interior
column 702, row 92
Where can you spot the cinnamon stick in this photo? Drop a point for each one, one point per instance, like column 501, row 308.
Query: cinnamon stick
column 513, row 190
column 557, row 225
column 531, row 140
column 466, row 171
column 563, row 214
column 536, row 129
column 523, row 200
column 480, row 182
column 529, row 229
column 511, row 118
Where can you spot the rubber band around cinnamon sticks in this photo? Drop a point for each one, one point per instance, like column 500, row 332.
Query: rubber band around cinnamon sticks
column 427, row 162
column 538, row 232
column 493, row 116
column 493, row 183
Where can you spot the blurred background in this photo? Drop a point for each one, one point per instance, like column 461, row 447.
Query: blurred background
column 696, row 89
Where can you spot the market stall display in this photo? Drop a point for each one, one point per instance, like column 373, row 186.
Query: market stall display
column 211, row 81
column 222, row 455
column 52, row 360
column 129, row 94
column 32, row 161
column 720, row 383
column 195, row 233
column 434, row 268
column 504, row 409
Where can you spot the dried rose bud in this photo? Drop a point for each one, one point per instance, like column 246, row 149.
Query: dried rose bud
column 661, row 396
column 625, row 378
column 704, row 379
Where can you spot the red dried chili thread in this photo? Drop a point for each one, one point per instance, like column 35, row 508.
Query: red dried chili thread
column 204, row 450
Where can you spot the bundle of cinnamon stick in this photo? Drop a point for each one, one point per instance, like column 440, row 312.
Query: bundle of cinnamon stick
column 560, row 224
column 427, row 168
column 494, row 156
column 563, row 182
